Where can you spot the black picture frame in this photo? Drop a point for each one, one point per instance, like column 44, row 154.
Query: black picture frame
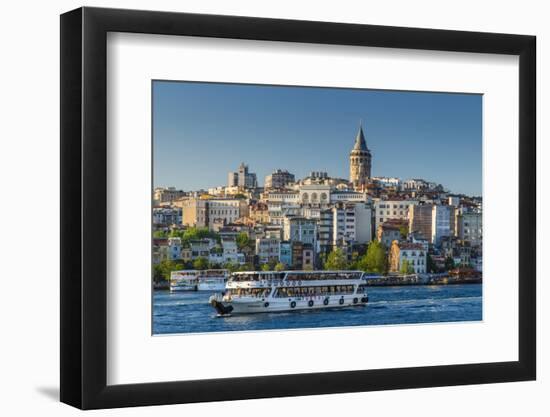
column 84, row 207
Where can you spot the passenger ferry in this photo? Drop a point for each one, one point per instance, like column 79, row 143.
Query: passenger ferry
column 263, row 292
column 194, row 280
column 212, row 280
column 186, row 280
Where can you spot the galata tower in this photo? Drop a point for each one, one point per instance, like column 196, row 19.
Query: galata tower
column 360, row 162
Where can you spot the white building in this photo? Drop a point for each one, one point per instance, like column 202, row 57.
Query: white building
column 414, row 254
column 388, row 182
column 385, row 210
column 348, row 196
column 200, row 248
column 345, row 224
column 268, row 249
column 174, row 248
column 316, row 194
column 282, row 197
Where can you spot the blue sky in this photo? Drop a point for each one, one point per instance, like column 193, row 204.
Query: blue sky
column 203, row 130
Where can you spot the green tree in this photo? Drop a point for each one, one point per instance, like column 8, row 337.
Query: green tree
column 449, row 263
column 159, row 234
column 162, row 271
column 242, row 240
column 265, row 267
column 336, row 260
column 246, row 267
column 200, row 263
column 280, row 267
column 193, row 233
column 430, row 264
column 375, row 259
column 404, row 231
column 231, row 266
column 406, row 267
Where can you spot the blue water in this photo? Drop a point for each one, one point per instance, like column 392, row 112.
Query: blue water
column 189, row 312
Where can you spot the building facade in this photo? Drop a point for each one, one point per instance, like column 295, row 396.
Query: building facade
column 242, row 178
column 405, row 255
column 213, row 212
column 300, row 229
column 279, row 179
column 268, row 250
column 386, row 210
column 167, row 194
column 420, row 221
column 442, row 223
column 470, row 228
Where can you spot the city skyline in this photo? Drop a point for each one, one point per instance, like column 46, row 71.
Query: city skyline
column 201, row 131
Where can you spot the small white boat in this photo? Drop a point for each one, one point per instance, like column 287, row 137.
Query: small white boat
column 266, row 292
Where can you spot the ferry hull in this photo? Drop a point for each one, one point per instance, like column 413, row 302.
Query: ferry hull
column 179, row 288
column 271, row 305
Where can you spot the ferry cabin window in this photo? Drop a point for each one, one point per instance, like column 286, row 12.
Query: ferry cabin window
column 314, row 291
column 250, row 292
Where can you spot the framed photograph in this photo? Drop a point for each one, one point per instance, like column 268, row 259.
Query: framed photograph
column 257, row 208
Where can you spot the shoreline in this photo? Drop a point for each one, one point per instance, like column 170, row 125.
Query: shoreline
column 390, row 281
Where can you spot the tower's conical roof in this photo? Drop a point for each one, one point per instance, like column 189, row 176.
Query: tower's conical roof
column 360, row 143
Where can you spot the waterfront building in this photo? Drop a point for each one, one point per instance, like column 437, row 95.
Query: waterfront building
column 278, row 179
column 161, row 251
column 242, row 178
column 230, row 251
column 166, row 249
column 442, row 223
column 416, row 237
column 413, row 253
column 268, row 250
column 420, row 220
column 360, row 162
column 200, row 248
column 167, row 194
column 470, row 227
column 394, row 209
